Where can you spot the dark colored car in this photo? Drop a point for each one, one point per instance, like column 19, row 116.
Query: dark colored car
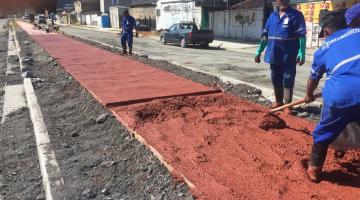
column 186, row 33
column 41, row 19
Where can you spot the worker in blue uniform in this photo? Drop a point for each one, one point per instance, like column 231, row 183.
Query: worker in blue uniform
column 339, row 58
column 128, row 25
column 284, row 36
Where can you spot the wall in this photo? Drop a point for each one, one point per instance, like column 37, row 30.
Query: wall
column 104, row 5
column 169, row 12
column 115, row 15
column 77, row 7
column 237, row 24
column 145, row 14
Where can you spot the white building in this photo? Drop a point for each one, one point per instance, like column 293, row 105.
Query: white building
column 244, row 21
column 169, row 12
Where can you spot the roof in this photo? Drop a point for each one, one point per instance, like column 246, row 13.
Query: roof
column 251, row 4
column 143, row 2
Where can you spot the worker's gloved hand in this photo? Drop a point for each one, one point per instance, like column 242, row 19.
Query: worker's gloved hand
column 300, row 59
column 257, row 57
column 301, row 54
column 262, row 46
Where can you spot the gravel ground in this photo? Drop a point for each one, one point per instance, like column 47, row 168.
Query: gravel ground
column 20, row 176
column 97, row 156
column 244, row 91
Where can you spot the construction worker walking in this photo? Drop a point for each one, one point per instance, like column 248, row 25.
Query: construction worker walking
column 339, row 58
column 284, row 36
column 128, row 25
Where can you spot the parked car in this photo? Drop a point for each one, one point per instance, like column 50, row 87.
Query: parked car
column 186, row 33
column 40, row 20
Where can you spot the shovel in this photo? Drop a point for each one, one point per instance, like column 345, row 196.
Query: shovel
column 295, row 103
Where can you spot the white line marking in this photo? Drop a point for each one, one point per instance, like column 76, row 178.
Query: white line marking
column 344, row 62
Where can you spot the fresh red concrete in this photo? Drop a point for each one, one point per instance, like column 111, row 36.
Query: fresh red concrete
column 215, row 141
column 113, row 79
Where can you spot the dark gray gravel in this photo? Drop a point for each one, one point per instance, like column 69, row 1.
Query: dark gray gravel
column 97, row 156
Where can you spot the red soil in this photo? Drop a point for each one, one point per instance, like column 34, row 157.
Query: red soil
column 272, row 121
column 215, row 142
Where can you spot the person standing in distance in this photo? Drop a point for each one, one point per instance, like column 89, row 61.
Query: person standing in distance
column 128, row 25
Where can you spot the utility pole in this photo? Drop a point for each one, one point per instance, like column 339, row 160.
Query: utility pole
column 264, row 12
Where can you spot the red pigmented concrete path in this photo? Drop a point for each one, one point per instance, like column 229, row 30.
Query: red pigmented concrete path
column 213, row 141
column 113, row 79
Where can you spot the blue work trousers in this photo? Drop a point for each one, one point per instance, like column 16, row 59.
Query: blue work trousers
column 127, row 38
column 333, row 121
column 283, row 75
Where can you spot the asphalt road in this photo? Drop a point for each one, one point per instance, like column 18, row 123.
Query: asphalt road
column 2, row 22
column 236, row 65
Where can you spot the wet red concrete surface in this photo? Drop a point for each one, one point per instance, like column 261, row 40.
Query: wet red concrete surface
column 113, row 79
column 213, row 140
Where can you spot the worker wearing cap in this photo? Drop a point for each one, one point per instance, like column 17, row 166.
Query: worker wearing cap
column 353, row 16
column 128, row 25
column 284, row 36
column 339, row 58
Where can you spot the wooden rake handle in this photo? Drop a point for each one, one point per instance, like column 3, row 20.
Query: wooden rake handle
column 295, row 103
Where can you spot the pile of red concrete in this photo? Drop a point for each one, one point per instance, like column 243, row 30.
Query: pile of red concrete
column 212, row 140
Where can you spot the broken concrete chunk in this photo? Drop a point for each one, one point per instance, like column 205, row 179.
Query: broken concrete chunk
column 102, row 118
column 303, row 114
column 27, row 75
column 27, row 61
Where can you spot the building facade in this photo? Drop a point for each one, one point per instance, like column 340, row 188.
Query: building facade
column 243, row 20
column 169, row 12
column 144, row 11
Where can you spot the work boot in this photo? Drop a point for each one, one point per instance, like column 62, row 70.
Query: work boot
column 279, row 96
column 288, row 95
column 314, row 173
column 124, row 52
column 130, row 51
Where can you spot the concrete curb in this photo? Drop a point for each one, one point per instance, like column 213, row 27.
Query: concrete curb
column 50, row 171
column 52, row 180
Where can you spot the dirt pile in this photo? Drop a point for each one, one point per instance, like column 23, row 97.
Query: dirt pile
column 272, row 121
column 216, row 142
